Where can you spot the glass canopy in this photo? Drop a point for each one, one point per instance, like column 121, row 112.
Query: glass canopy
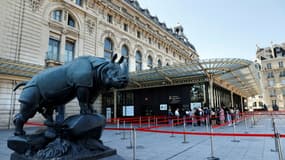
column 238, row 75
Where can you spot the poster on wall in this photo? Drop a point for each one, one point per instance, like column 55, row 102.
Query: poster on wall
column 128, row 111
column 163, row 107
column 195, row 105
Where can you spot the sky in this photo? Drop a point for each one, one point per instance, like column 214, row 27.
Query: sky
column 224, row 28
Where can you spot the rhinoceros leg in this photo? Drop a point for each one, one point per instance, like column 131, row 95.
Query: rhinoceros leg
column 26, row 111
column 84, row 96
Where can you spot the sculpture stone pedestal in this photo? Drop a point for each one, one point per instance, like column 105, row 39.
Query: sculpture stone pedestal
column 109, row 154
column 77, row 139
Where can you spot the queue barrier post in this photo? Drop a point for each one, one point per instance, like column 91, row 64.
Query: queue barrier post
column 140, row 122
column 207, row 123
column 172, row 128
column 184, row 129
column 234, row 131
column 156, row 121
column 131, row 138
column 275, row 137
column 124, row 132
column 118, row 127
column 148, row 122
column 192, row 123
column 252, row 123
column 134, row 142
column 212, row 146
column 254, row 120
column 280, row 153
column 245, row 123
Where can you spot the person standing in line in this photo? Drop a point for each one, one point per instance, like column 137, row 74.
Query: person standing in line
column 170, row 115
column 177, row 114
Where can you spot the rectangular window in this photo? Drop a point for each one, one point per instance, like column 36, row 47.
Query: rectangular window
column 110, row 18
column 280, row 64
column 272, row 93
column 138, row 34
column 271, row 83
column 53, row 49
column 274, row 103
column 282, row 74
column 69, row 51
column 158, row 45
column 126, row 27
column 149, row 40
column 269, row 66
column 283, row 92
column 283, row 81
column 78, row 2
column 270, row 75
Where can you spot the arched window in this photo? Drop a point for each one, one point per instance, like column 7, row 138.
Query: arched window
column 57, row 15
column 58, row 40
column 159, row 64
column 125, row 53
column 149, row 62
column 108, row 48
column 138, row 61
column 70, row 21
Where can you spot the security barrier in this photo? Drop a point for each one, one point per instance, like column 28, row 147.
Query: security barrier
column 185, row 127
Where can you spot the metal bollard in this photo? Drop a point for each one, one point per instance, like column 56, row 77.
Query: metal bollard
column 234, row 131
column 212, row 146
column 124, row 132
column 184, row 129
column 172, row 128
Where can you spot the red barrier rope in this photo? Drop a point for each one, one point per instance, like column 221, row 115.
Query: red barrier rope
column 209, row 134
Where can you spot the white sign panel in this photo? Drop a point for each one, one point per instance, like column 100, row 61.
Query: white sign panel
column 195, row 105
column 163, row 107
column 128, row 111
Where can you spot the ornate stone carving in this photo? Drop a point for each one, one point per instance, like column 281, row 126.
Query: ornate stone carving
column 90, row 26
column 91, row 4
column 35, row 5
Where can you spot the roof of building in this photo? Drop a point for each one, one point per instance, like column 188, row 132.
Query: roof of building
column 238, row 75
column 135, row 4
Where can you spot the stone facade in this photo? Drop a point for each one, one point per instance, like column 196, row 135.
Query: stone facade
column 42, row 33
column 272, row 73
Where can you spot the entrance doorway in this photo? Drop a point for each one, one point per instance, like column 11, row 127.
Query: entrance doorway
column 147, row 110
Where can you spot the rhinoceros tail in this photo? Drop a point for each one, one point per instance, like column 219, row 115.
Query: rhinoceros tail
column 19, row 85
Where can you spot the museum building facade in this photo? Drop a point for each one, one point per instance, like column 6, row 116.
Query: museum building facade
column 36, row 34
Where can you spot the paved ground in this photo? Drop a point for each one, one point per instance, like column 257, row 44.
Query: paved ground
column 158, row 146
